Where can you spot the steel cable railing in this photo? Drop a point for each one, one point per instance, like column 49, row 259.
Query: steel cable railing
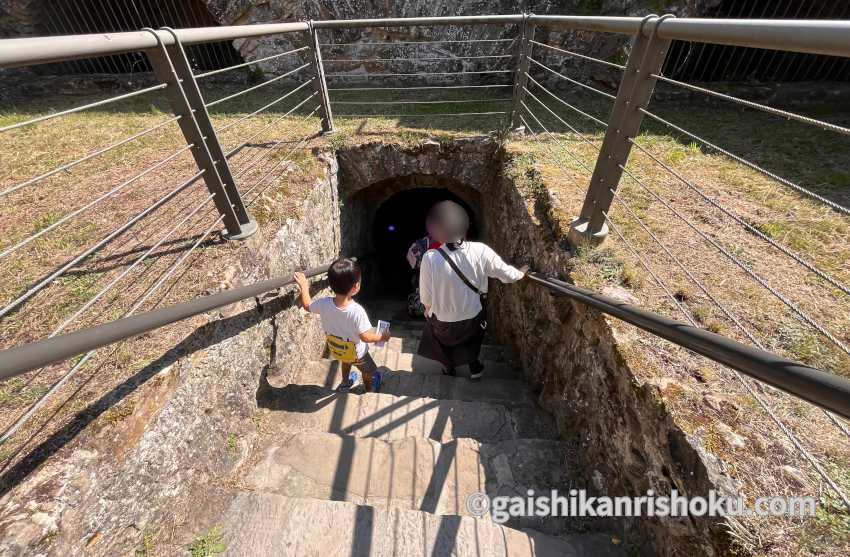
column 419, row 88
column 67, row 376
column 565, row 103
column 92, row 155
column 668, row 293
column 581, row 136
column 254, row 164
column 270, row 152
column 437, row 67
column 764, row 108
column 32, row 291
column 787, row 251
column 264, row 107
column 457, row 101
column 579, row 56
column 783, row 427
column 722, row 307
column 803, row 316
column 426, row 59
column 426, row 115
column 416, row 74
column 571, row 80
column 750, row 228
column 267, row 127
column 658, row 280
column 80, row 210
column 261, row 155
column 89, row 106
column 255, row 87
column 462, row 41
column 251, row 63
column 836, row 206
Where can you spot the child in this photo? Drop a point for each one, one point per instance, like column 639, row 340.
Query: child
column 345, row 322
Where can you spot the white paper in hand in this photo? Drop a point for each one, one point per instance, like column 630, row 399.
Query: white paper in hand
column 383, row 326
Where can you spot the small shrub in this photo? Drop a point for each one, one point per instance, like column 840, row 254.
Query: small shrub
column 211, row 543
column 147, row 548
column 631, row 276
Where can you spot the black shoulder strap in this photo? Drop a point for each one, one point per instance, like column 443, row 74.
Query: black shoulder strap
column 454, row 267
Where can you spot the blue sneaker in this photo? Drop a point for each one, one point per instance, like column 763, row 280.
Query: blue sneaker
column 376, row 381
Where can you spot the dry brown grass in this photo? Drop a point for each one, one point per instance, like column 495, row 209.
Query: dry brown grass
column 704, row 398
column 274, row 170
column 708, row 401
column 33, row 150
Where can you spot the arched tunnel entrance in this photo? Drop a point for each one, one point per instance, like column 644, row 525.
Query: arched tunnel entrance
column 400, row 221
column 384, row 219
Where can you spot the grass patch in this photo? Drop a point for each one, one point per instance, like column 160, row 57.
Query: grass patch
column 830, row 527
column 211, row 543
column 147, row 547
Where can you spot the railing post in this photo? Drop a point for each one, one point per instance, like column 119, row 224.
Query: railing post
column 171, row 66
column 319, row 81
column 523, row 52
column 635, row 91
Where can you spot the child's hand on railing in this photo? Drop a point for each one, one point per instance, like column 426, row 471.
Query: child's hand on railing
column 301, row 281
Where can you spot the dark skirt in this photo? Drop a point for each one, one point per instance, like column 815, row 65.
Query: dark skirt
column 454, row 343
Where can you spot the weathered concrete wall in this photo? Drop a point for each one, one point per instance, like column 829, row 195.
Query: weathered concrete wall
column 166, row 437
column 625, row 440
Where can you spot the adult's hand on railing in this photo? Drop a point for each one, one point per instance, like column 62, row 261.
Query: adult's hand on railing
column 524, row 270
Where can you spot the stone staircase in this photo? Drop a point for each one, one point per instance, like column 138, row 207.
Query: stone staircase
column 389, row 473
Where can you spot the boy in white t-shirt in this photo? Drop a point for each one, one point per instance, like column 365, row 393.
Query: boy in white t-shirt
column 345, row 322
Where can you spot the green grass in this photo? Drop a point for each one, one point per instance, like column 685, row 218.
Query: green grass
column 147, row 547
column 211, row 543
column 830, row 527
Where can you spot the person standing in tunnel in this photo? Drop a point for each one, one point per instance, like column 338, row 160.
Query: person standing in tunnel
column 452, row 279
column 417, row 250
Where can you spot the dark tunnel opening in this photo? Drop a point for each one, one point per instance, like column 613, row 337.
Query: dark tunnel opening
column 399, row 221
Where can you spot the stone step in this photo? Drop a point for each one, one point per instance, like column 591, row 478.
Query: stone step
column 403, row 342
column 326, row 372
column 413, row 472
column 431, row 384
column 265, row 524
column 386, row 416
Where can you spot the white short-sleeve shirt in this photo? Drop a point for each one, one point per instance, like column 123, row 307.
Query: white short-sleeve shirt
column 346, row 323
column 441, row 289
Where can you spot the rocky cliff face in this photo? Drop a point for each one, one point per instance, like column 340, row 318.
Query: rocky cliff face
column 606, row 46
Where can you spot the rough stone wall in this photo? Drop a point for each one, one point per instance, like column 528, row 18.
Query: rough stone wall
column 20, row 18
column 625, row 440
column 606, row 46
column 371, row 172
column 165, row 438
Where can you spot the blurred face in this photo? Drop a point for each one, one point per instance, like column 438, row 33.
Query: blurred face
column 435, row 232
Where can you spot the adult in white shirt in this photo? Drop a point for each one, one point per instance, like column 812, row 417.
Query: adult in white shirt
column 452, row 279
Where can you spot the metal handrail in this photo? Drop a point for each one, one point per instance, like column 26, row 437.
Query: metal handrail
column 821, row 388
column 18, row 360
column 809, row 36
column 827, row 390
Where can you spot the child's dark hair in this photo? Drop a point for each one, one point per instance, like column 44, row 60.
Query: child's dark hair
column 343, row 274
